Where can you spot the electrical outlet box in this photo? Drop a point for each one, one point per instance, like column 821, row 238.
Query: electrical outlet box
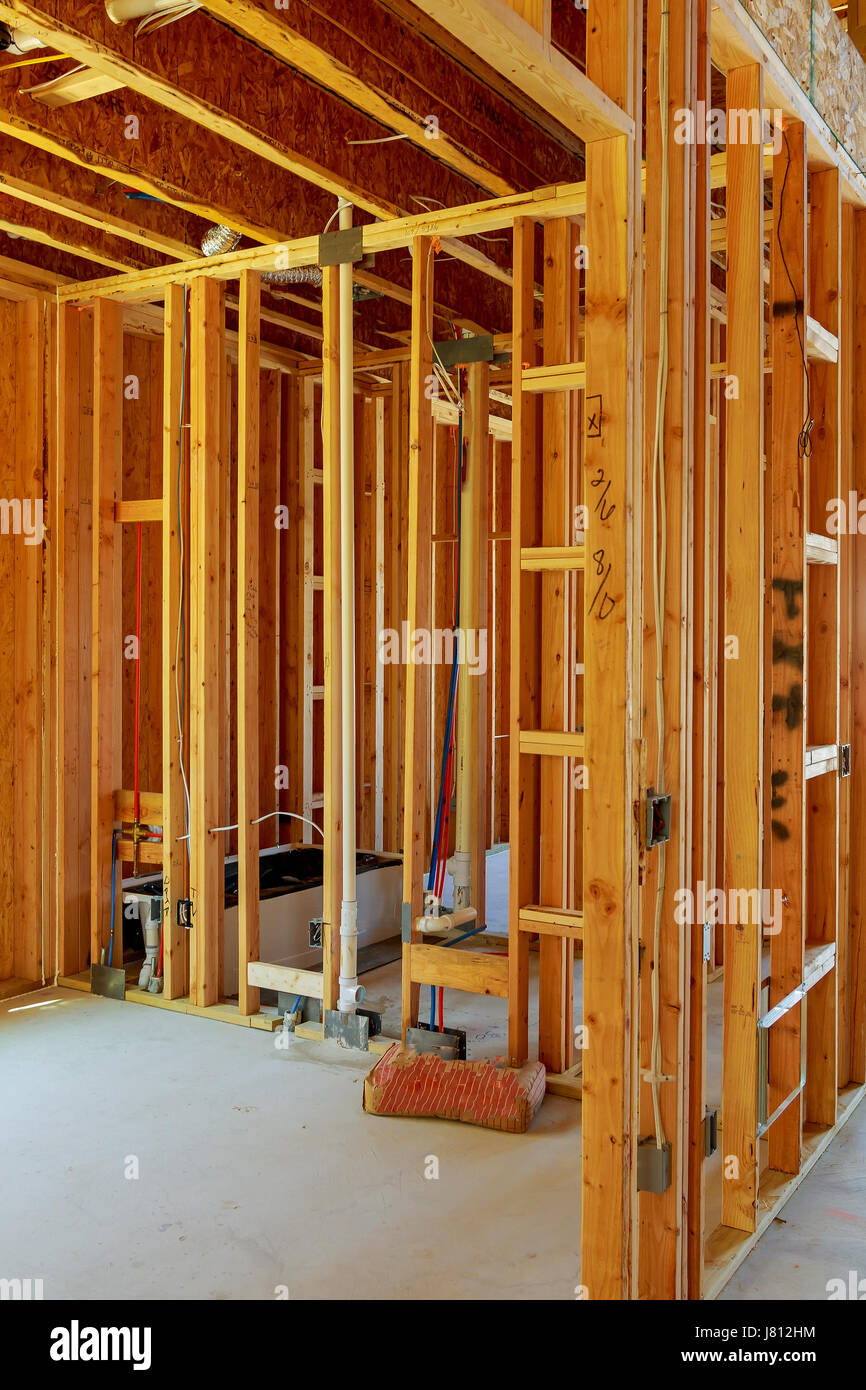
column 653, row 1166
column 658, row 819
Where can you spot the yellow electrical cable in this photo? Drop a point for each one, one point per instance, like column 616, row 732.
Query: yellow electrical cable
column 31, row 62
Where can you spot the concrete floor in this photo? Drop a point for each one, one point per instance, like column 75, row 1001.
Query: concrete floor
column 257, row 1168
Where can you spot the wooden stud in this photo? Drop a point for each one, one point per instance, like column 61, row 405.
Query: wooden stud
column 704, row 680
column 105, row 677
column 744, row 676
column 609, row 848
column 206, row 655
column 27, row 670
column 332, row 817
column 556, row 957
column 857, row 954
column 525, row 675
column 822, row 671
column 667, row 554
column 248, row 638
column 419, row 608
column 473, row 619
column 267, row 620
column 72, row 903
column 787, row 730
column 176, row 663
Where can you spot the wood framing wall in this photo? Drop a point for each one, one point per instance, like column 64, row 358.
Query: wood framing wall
column 26, row 945
column 693, row 396
column 144, row 384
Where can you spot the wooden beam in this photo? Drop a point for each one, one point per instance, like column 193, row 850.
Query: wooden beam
column 93, row 139
column 248, row 638
column 76, row 42
column 744, row 587
column 515, row 49
column 90, row 210
column 473, row 971
column 448, row 224
column 105, row 672
column 32, row 222
column 237, row 117
column 206, row 659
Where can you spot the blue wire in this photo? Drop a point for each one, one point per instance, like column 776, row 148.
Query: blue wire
column 452, row 691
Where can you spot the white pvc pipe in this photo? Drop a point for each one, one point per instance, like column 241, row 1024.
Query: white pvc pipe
column 350, row 992
column 439, row 926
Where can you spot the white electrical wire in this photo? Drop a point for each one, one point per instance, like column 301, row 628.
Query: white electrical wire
column 379, row 140
column 292, row 815
column 152, row 22
column 659, row 513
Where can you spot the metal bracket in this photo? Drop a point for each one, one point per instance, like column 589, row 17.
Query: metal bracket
column 373, row 1017
column 316, row 927
column 338, row 248
column 406, row 923
column 184, row 913
column 455, row 352
column 108, row 980
column 658, row 819
column 708, row 942
column 449, row 1043
column 349, row 1030
column 711, row 1132
column 844, row 760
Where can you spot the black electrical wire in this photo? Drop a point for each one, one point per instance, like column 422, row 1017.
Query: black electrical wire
column 804, row 438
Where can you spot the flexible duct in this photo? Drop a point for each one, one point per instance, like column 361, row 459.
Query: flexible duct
column 122, row 11
column 218, row 240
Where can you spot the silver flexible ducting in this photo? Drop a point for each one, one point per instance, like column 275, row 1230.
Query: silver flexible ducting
column 220, row 239
column 217, row 240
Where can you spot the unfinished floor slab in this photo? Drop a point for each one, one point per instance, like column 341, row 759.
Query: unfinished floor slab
column 257, row 1168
